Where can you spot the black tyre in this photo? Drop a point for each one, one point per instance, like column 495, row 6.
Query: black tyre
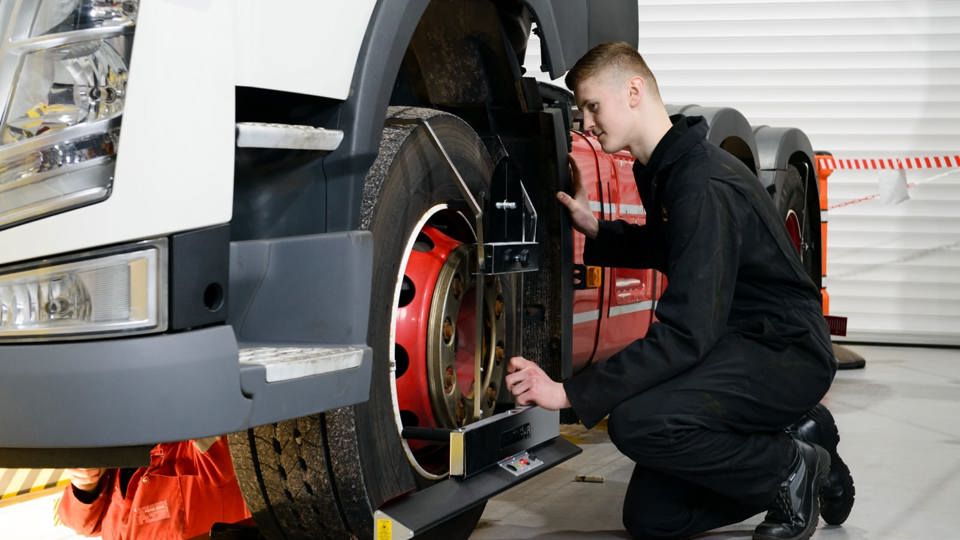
column 323, row 476
column 789, row 196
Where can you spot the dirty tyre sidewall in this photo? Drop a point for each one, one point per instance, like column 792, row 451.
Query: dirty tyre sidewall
column 400, row 189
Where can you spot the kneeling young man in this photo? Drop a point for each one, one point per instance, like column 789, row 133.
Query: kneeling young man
column 718, row 404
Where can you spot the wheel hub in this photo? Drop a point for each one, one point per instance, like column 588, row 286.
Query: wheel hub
column 436, row 336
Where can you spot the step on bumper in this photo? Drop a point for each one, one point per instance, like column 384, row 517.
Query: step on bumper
column 105, row 403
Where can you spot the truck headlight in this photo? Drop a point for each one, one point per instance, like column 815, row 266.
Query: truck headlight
column 95, row 294
column 68, row 65
column 56, row 16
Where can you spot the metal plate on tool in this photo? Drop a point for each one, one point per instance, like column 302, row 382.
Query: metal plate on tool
column 520, row 464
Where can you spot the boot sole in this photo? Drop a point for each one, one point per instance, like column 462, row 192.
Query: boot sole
column 837, row 508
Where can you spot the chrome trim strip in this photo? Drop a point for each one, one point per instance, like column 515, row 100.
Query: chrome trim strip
column 633, row 209
column 98, row 161
column 586, row 316
column 630, row 308
column 46, row 140
column 47, row 207
column 50, row 41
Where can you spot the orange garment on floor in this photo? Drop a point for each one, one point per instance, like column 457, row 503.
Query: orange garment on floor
column 181, row 494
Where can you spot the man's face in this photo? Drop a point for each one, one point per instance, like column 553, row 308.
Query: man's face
column 605, row 102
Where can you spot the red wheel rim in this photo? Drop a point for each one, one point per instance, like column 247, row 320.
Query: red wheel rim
column 435, row 342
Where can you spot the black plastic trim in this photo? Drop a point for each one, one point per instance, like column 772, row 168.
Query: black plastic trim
column 565, row 37
column 199, row 264
column 72, row 399
column 312, row 289
column 391, row 26
column 56, row 458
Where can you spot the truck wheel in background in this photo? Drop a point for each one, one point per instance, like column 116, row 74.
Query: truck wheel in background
column 324, row 475
column 789, row 198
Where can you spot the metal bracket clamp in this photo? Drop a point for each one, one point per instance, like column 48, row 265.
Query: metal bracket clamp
column 478, row 220
column 509, row 252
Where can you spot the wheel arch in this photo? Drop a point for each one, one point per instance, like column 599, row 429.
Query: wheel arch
column 392, row 29
column 779, row 148
column 564, row 37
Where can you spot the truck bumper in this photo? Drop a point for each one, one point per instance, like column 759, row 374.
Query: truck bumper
column 144, row 390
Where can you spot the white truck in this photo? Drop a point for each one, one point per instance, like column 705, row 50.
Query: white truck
column 318, row 226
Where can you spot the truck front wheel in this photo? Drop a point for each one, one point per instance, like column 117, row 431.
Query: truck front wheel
column 324, row 475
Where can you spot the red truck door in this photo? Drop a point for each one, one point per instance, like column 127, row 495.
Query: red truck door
column 629, row 292
column 586, row 301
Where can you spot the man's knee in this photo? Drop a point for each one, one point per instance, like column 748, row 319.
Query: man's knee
column 633, row 431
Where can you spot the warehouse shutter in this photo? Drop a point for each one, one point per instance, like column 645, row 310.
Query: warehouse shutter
column 863, row 79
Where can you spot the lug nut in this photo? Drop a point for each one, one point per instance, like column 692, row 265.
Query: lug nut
column 449, row 379
column 447, row 330
column 499, row 353
column 498, row 307
column 457, row 287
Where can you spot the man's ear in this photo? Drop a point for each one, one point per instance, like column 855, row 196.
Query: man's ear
column 636, row 86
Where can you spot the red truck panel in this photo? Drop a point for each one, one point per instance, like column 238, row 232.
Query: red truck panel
column 607, row 319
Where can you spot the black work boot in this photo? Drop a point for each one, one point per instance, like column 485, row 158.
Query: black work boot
column 836, row 499
column 795, row 511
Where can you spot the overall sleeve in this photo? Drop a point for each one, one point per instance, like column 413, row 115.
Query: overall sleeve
column 623, row 245
column 702, row 262
column 82, row 511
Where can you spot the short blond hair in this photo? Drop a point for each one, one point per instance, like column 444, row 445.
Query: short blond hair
column 618, row 55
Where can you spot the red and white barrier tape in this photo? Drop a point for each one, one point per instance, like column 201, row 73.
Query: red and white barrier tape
column 925, row 162
column 894, row 164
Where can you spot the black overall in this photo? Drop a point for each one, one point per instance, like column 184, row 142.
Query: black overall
column 740, row 349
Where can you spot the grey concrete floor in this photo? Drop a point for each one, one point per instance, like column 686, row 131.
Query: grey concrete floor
column 900, row 433
column 899, row 424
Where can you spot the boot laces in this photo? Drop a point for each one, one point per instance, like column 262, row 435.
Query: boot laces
column 783, row 511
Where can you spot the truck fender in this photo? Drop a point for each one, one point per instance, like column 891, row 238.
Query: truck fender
column 728, row 129
column 564, row 37
column 780, row 148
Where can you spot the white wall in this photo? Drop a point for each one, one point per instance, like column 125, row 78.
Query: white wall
column 863, row 78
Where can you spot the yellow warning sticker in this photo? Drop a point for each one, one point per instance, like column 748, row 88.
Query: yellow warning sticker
column 384, row 529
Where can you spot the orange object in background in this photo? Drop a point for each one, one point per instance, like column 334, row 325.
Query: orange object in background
column 823, row 173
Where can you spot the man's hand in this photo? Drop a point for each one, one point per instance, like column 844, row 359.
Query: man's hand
column 85, row 479
column 581, row 216
column 531, row 386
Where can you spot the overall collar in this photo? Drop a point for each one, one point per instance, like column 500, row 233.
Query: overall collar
column 677, row 141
